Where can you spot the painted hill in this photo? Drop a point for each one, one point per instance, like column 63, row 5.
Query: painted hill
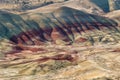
column 63, row 24
column 60, row 43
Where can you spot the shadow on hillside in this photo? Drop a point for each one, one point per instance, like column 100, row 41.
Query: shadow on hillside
column 103, row 4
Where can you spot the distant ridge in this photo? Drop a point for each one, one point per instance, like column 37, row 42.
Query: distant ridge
column 26, row 4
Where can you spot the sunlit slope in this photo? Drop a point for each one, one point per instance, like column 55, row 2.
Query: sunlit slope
column 114, row 15
column 62, row 23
